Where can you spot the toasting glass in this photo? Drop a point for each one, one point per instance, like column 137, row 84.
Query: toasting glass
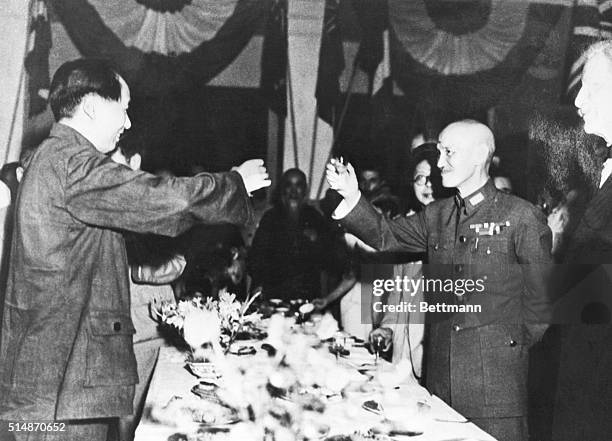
column 377, row 346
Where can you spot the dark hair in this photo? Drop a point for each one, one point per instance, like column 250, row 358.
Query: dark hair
column 78, row 78
column 426, row 152
column 370, row 165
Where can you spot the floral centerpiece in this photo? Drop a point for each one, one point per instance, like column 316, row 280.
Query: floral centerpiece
column 207, row 322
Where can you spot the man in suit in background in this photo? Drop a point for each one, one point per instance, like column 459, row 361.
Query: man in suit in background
column 583, row 403
column 475, row 361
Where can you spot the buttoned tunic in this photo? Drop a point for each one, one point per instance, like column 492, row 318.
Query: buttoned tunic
column 66, row 349
column 476, row 361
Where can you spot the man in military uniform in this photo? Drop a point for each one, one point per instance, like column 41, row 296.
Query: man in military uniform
column 476, row 362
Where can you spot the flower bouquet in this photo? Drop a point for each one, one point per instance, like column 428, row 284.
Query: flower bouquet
column 207, row 325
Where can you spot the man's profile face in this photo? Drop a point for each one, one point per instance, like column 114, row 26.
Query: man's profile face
column 456, row 163
column 111, row 119
column 594, row 100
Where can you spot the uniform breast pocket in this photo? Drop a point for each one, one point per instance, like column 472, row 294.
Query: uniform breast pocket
column 504, row 364
column 439, row 250
column 490, row 258
column 110, row 356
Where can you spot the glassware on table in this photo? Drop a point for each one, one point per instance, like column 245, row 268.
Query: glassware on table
column 377, row 346
column 338, row 345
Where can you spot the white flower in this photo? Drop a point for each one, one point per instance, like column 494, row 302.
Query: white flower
column 200, row 327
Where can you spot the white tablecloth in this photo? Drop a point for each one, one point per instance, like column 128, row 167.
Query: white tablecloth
column 171, row 378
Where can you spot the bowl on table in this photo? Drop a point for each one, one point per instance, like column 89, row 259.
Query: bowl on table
column 203, row 369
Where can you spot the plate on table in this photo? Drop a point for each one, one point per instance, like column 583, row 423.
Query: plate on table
column 180, row 411
column 373, row 406
column 242, row 350
column 203, row 369
column 221, row 424
column 394, row 433
column 206, row 390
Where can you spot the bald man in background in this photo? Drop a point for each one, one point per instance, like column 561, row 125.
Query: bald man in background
column 475, row 361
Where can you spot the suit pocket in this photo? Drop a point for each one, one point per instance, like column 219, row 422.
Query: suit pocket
column 110, row 356
column 504, row 354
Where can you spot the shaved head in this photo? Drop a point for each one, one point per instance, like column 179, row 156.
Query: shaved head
column 477, row 135
column 466, row 149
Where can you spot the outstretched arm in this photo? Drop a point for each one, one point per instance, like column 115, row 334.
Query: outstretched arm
column 361, row 219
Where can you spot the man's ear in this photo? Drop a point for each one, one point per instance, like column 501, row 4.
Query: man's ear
column 480, row 154
column 88, row 104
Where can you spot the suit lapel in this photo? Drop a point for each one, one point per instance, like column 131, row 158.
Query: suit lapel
column 598, row 209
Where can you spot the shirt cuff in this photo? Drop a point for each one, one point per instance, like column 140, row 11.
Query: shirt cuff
column 345, row 207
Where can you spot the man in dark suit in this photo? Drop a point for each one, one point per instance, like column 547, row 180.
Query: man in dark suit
column 66, row 352
column 583, row 402
column 476, row 361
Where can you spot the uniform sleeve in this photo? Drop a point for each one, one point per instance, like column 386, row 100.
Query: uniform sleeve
column 403, row 234
column 103, row 193
column 533, row 247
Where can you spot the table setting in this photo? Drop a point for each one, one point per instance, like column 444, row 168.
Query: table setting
column 298, row 378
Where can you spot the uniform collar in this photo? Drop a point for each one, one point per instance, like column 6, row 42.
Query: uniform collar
column 475, row 199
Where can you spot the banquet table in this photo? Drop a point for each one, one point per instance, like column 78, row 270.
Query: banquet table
column 344, row 416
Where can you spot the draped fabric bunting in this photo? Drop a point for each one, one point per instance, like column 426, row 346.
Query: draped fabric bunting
column 162, row 26
column 196, row 54
column 592, row 21
column 274, row 59
column 462, row 57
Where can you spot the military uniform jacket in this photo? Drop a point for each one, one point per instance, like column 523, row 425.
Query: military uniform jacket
column 476, row 361
column 66, row 349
